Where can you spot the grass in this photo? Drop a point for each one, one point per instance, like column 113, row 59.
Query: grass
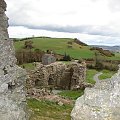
column 28, row 66
column 91, row 72
column 89, row 75
column 106, row 74
column 60, row 46
column 71, row 94
column 116, row 57
column 46, row 110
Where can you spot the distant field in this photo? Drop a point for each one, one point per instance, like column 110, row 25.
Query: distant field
column 116, row 57
column 60, row 46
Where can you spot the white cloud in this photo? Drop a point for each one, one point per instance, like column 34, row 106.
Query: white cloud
column 98, row 18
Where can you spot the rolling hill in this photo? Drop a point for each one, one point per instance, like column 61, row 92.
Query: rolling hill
column 61, row 46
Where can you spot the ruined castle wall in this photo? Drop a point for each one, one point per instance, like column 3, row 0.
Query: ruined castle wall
column 12, row 78
column 79, row 74
column 59, row 74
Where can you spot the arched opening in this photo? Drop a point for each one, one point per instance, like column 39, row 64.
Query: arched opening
column 37, row 82
column 50, row 81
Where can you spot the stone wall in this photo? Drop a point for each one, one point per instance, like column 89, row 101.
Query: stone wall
column 12, row 78
column 59, row 75
column 101, row 102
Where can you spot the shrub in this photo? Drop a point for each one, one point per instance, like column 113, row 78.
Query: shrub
column 28, row 45
column 103, row 52
column 66, row 57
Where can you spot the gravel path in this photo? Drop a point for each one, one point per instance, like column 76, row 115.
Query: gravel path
column 95, row 77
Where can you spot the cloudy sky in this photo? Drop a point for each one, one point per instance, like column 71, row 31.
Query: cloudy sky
column 92, row 21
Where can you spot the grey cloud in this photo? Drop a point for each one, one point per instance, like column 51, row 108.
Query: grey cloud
column 91, row 30
column 19, row 16
column 22, row 15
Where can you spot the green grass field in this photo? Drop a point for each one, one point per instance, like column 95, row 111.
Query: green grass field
column 60, row 46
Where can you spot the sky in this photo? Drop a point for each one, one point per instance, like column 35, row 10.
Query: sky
column 91, row 21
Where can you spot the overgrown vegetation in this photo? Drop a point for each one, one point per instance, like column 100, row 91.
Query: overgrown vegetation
column 66, row 58
column 103, row 52
column 100, row 63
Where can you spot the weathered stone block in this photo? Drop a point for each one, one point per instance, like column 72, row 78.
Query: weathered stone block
column 12, row 77
column 101, row 102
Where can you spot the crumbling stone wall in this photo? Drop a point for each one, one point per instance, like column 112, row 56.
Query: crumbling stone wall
column 59, row 75
column 12, row 78
column 102, row 102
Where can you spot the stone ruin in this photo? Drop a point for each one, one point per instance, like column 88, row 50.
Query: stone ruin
column 58, row 75
column 12, row 77
column 48, row 59
column 102, row 102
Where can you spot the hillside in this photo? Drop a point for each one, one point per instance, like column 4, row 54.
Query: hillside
column 60, row 46
column 111, row 48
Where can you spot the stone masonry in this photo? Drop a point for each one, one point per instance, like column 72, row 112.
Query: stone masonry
column 102, row 102
column 59, row 75
column 12, row 77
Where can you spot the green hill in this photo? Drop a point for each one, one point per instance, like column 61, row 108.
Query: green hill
column 60, row 46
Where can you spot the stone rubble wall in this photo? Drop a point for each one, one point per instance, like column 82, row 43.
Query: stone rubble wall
column 12, row 77
column 102, row 102
column 60, row 75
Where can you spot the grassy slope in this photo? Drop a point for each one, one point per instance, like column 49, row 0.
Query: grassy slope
column 59, row 45
column 45, row 110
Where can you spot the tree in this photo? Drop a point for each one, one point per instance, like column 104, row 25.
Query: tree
column 28, row 44
column 98, row 61
column 67, row 57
